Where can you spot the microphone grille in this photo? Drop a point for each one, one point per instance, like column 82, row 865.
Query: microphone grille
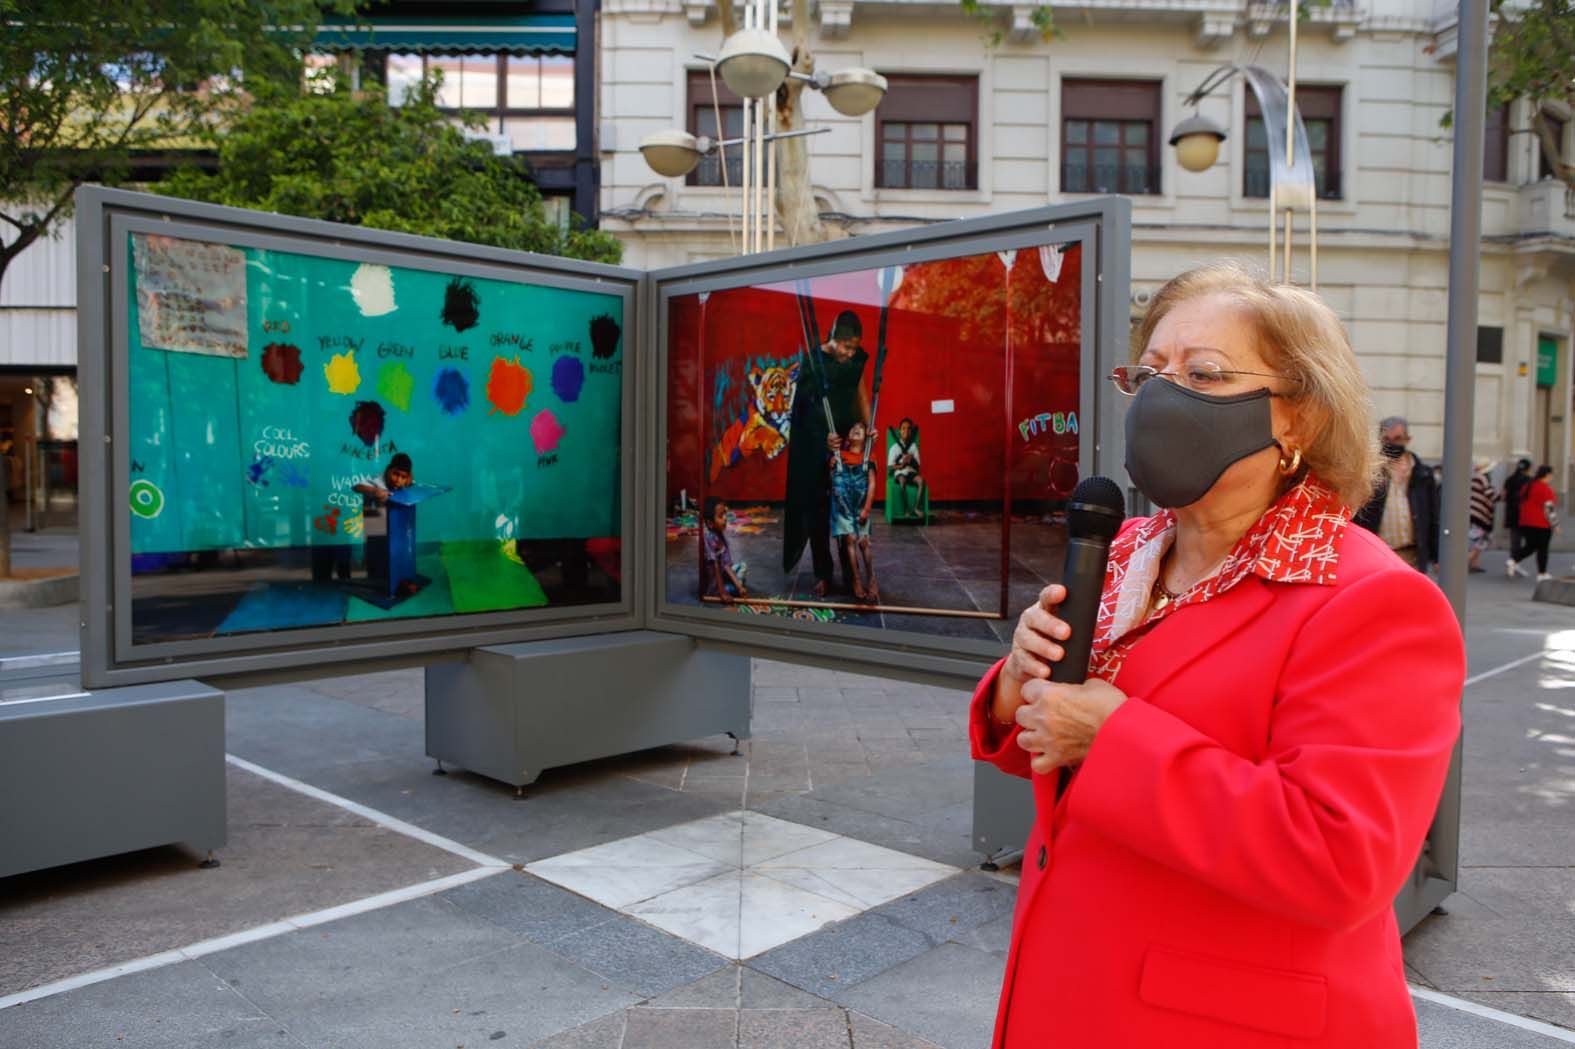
column 1096, row 509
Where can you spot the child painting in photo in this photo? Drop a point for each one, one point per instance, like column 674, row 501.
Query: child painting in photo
column 852, row 494
column 374, row 518
column 720, row 575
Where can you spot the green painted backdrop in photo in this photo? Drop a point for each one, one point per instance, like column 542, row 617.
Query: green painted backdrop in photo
column 226, row 455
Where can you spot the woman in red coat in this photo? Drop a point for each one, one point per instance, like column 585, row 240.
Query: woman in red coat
column 1538, row 517
column 1228, row 806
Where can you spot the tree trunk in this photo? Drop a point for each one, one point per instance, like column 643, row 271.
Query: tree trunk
column 795, row 202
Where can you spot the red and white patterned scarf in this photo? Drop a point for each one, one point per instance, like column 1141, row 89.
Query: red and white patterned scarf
column 1293, row 542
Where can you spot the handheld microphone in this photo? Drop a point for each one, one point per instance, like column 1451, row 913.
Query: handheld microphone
column 1093, row 518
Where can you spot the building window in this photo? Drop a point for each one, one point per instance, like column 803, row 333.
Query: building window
column 702, row 121
column 1495, row 143
column 1556, row 126
column 528, row 99
column 1490, row 345
column 1320, row 110
column 927, row 133
column 1110, row 136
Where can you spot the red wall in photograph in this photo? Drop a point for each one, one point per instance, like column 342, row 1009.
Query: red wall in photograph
column 947, row 338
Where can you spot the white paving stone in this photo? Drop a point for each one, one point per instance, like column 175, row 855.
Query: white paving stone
column 740, row 883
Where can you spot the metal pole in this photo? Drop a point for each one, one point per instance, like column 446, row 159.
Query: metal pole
column 771, row 160
column 1465, row 238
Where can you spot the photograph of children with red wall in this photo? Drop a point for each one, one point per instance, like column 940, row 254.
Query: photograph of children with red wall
column 887, row 447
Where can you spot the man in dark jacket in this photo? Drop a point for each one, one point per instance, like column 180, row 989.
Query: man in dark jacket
column 1404, row 509
column 1514, row 485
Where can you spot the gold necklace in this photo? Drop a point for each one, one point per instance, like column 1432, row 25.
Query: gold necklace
column 1163, row 595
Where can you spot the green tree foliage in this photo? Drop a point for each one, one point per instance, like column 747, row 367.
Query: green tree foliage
column 87, row 86
column 1533, row 56
column 351, row 157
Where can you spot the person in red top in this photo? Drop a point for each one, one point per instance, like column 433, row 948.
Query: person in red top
column 1538, row 518
column 1227, row 807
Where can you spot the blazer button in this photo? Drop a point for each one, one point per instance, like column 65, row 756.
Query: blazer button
column 1041, row 857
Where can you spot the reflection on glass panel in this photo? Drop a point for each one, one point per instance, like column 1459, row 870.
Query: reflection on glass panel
column 1076, row 132
column 1135, row 133
column 926, row 132
column 557, row 82
column 292, row 444
column 924, row 169
column 709, row 170
column 1134, row 178
column 1107, row 132
column 480, row 82
column 404, row 72
column 1257, row 137
column 1317, row 134
column 530, row 134
column 894, row 174
column 450, row 93
column 948, row 343
column 956, row 132
column 523, row 86
column 557, row 210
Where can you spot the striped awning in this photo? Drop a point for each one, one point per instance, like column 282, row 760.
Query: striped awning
column 517, row 34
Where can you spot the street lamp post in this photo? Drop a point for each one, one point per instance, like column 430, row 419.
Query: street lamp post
column 753, row 63
column 1292, row 183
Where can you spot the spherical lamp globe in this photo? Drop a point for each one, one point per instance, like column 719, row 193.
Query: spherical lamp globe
column 1197, row 140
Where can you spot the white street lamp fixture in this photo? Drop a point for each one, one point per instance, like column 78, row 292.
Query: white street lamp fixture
column 673, row 153
column 1197, row 140
column 852, row 92
column 753, row 62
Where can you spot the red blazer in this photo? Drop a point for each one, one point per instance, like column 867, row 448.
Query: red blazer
column 1221, row 870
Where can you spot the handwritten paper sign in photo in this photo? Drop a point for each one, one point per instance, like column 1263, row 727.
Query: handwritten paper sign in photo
column 191, row 295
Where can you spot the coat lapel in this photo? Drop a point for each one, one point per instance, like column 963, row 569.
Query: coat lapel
column 1186, row 634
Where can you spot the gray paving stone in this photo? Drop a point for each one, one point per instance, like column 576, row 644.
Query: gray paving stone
column 1521, row 892
column 1497, row 954
column 1554, row 1007
column 947, row 995
column 793, row 1029
column 680, row 1029
column 940, row 841
column 606, row 1033
column 734, row 987
column 870, row 1033
column 508, row 998
column 358, row 955
column 1440, row 1027
column 956, row 905
column 528, row 906
column 993, row 936
column 842, row 955
column 634, row 955
column 175, row 1007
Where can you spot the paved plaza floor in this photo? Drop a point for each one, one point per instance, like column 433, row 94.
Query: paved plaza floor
column 817, row 890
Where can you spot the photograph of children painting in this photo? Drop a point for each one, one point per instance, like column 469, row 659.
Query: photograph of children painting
column 887, row 447
column 317, row 441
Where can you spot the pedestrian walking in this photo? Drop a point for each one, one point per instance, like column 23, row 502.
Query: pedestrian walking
column 1483, row 498
column 1514, row 486
column 1539, row 518
column 1403, row 511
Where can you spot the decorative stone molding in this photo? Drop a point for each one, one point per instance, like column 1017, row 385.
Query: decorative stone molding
column 1214, row 28
column 644, row 10
column 836, row 18
column 698, row 12
column 1023, row 30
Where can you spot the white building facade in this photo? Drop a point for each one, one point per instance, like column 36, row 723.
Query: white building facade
column 972, row 126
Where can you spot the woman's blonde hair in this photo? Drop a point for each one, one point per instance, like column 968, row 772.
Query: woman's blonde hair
column 1300, row 337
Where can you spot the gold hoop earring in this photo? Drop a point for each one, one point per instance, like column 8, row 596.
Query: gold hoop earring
column 1289, row 469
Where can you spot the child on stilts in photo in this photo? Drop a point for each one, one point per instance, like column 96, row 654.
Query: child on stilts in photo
column 852, row 496
column 720, row 575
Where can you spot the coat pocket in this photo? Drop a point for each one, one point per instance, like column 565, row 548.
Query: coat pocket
column 1278, row 1001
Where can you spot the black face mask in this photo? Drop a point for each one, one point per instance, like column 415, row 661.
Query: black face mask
column 1392, row 450
column 1180, row 441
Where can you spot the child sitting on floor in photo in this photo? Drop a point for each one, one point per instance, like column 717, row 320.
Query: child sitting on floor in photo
column 720, row 575
column 852, row 494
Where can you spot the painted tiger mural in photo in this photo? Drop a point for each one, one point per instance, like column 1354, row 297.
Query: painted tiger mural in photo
column 762, row 427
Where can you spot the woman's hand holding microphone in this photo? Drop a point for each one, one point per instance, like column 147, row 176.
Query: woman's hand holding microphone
column 1059, row 721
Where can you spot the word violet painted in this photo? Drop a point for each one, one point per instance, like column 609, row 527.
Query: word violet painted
column 1048, row 422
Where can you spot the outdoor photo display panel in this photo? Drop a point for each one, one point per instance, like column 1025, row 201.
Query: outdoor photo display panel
column 316, row 441
column 966, row 373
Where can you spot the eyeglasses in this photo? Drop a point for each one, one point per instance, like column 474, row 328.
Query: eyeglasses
column 1198, row 376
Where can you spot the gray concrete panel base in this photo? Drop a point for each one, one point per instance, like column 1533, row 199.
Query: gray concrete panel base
column 508, row 712
column 91, row 774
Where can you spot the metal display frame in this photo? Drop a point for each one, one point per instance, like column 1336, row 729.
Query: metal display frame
column 1102, row 226
column 105, row 217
